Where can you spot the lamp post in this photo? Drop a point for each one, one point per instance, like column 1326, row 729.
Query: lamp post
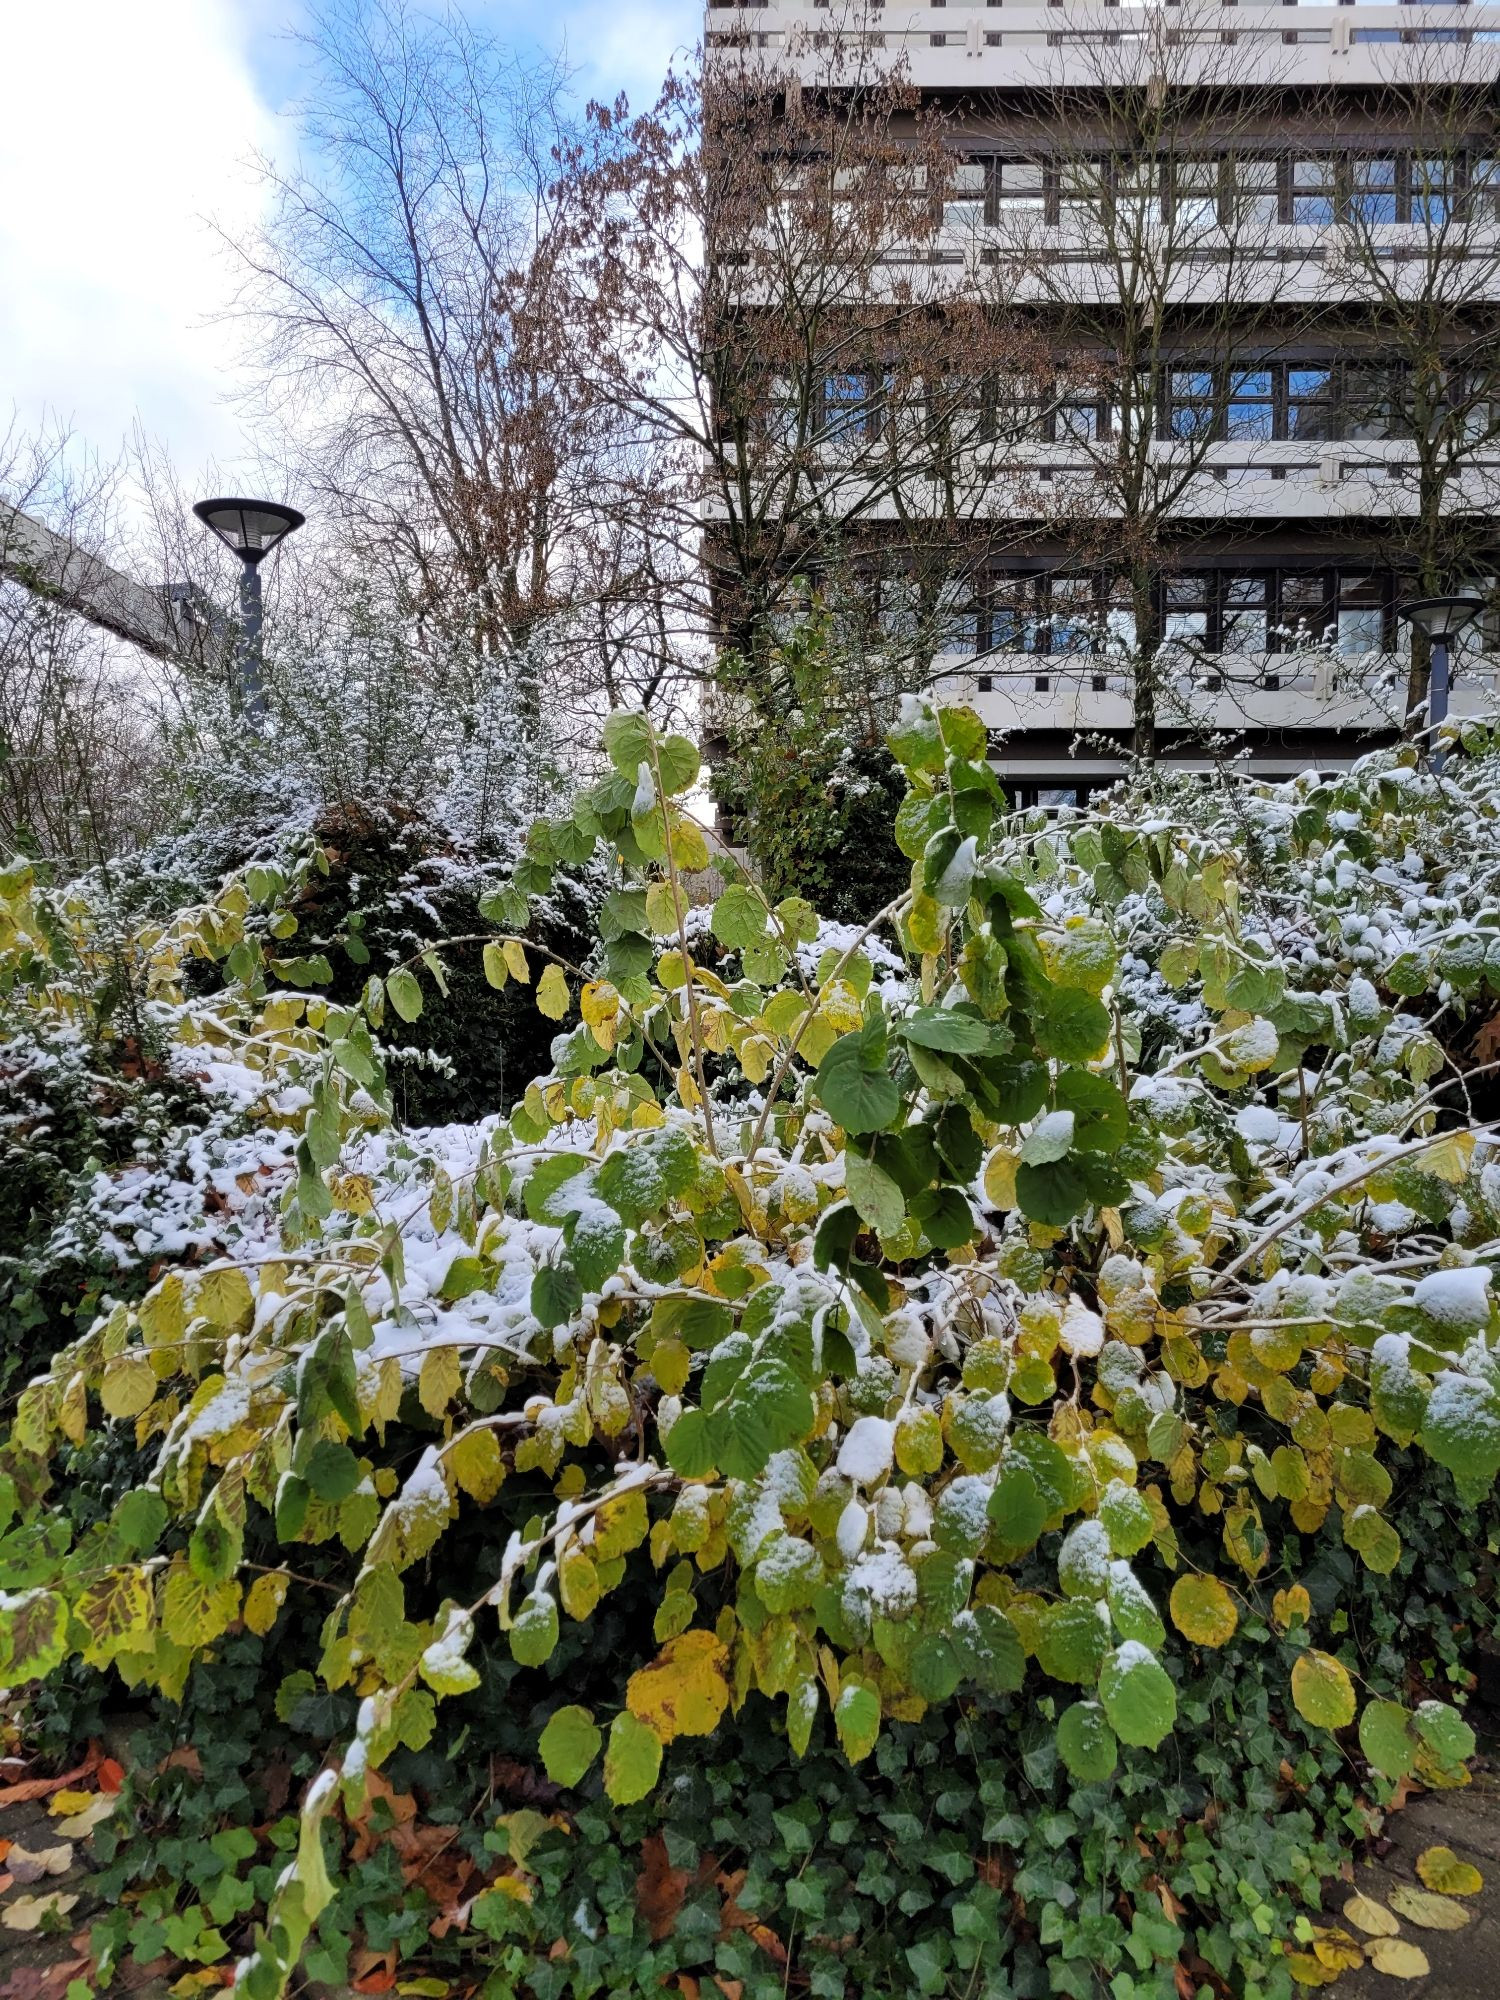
column 1442, row 619
column 252, row 529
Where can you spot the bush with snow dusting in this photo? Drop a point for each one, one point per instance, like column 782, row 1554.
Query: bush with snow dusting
column 1007, row 1332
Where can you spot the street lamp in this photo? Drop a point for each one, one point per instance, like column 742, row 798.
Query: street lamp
column 252, row 529
column 1442, row 619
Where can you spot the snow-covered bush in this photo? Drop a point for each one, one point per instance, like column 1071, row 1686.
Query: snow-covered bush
column 1014, row 1334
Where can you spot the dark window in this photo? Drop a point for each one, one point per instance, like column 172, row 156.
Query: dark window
column 1368, row 403
column 1186, row 611
column 1304, row 609
column 848, row 406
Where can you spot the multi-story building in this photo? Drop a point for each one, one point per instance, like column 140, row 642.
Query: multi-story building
column 1265, row 244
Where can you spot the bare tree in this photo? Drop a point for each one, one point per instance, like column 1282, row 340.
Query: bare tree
column 782, row 312
column 79, row 749
column 402, row 302
column 1416, row 279
column 1136, row 207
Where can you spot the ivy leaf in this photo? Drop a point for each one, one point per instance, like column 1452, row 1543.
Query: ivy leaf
column 569, row 1744
column 632, row 1761
column 1137, row 1694
column 857, row 1096
column 1086, row 1743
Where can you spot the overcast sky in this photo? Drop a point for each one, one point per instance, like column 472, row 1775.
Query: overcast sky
column 122, row 128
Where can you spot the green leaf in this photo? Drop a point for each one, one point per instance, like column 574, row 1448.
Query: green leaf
column 403, row 992
column 1053, row 1193
column 533, row 1634
column 944, row 1028
column 1138, row 1696
column 856, row 1717
column 858, row 1097
column 739, row 917
column 1126, row 1518
column 677, row 760
column 1386, row 1739
column 1074, row 1026
column 990, row 1646
column 632, row 1762
column 874, row 1193
column 1017, row 1510
column 556, row 1295
column 1461, row 1430
column 768, row 1409
column 1086, row 1743
column 627, row 741
column 1447, row 1736
column 569, row 1744
column 1102, row 1120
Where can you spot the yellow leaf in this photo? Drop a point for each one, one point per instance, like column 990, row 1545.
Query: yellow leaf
column 599, row 1005
column 1442, row 1871
column 1000, row 1178
column 264, row 1599
column 1290, row 1604
column 223, row 1297
column 27, row 1912
column 1322, row 1691
column 1397, row 1959
column 514, row 954
column 1433, row 1913
column 477, row 1463
column 683, row 1692
column 1373, row 1918
column 552, row 993
column 62, row 1803
column 1338, row 1951
column 1307, row 1970
column 1203, row 1610
column 352, row 1193
column 439, row 1380
column 496, row 971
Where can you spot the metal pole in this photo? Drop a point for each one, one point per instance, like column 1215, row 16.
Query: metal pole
column 252, row 659
column 1437, row 695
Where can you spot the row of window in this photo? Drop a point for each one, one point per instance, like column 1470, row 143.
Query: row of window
column 1203, row 612
column 1310, row 400
column 1315, row 190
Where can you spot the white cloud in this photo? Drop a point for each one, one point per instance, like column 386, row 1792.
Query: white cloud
column 121, row 128
column 627, row 44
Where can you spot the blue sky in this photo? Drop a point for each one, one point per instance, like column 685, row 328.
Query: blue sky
column 124, row 129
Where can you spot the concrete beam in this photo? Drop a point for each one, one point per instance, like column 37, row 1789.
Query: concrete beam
column 172, row 621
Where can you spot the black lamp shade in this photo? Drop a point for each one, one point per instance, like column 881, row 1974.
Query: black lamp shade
column 1442, row 617
column 252, row 528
